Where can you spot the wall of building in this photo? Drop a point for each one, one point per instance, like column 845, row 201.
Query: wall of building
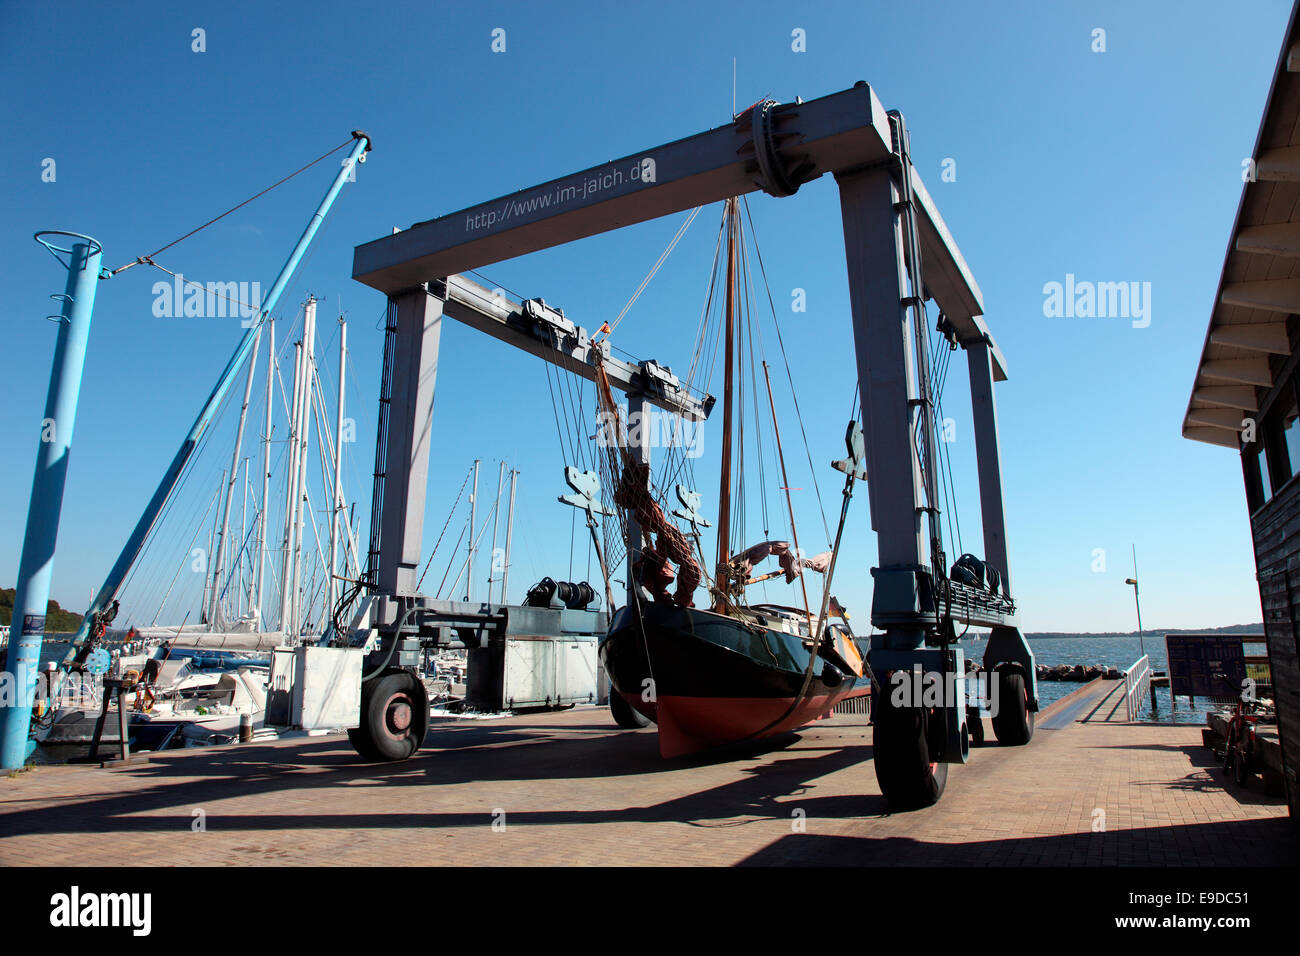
column 1276, row 530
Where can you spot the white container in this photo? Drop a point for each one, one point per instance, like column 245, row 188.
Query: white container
column 549, row 672
column 325, row 687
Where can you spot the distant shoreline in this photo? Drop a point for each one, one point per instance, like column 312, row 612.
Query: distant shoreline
column 1230, row 631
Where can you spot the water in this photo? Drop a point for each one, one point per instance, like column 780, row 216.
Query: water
column 55, row 646
column 1118, row 652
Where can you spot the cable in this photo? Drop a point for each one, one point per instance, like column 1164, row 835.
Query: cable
column 450, row 515
column 654, row 269
column 786, row 361
column 235, row 208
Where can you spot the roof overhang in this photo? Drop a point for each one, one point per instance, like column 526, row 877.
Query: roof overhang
column 1259, row 288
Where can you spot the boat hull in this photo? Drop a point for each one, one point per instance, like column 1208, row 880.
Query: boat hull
column 708, row 680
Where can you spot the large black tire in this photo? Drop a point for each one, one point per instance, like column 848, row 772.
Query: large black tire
column 394, row 717
column 625, row 715
column 908, row 775
column 976, row 725
column 360, row 741
column 1013, row 724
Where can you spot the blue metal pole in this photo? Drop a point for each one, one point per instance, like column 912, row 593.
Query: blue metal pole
column 156, row 504
column 37, row 562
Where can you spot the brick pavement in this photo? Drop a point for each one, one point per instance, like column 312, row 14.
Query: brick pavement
column 568, row 788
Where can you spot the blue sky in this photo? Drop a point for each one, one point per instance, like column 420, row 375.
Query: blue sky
column 1115, row 166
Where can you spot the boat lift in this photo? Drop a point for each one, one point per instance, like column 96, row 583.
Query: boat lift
column 396, row 625
column 891, row 225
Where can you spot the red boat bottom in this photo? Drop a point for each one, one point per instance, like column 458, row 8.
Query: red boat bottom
column 691, row 724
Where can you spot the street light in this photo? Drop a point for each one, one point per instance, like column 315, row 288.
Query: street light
column 1141, row 643
column 1133, row 581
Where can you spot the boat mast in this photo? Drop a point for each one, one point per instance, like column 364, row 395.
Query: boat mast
column 789, row 502
column 510, row 534
column 259, row 580
column 291, row 485
column 724, row 481
column 215, row 614
column 332, row 589
column 496, row 521
column 308, row 382
column 243, row 532
column 469, row 559
column 210, row 580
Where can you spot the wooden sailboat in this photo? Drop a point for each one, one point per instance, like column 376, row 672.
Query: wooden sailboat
column 733, row 671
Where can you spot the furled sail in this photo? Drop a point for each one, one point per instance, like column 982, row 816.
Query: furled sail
column 742, row 565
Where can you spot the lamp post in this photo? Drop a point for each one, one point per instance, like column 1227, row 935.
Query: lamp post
column 1141, row 643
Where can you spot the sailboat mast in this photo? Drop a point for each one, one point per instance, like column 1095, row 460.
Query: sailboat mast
column 216, row 614
column 260, row 577
column 210, row 580
column 469, row 556
column 300, row 503
column 337, row 504
column 243, row 530
column 724, row 481
column 496, row 521
column 789, row 502
column 510, row 534
column 291, row 486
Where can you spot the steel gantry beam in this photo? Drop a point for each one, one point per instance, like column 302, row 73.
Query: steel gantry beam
column 544, row 331
column 773, row 147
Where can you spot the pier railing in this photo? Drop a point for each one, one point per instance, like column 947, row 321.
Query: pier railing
column 1137, row 680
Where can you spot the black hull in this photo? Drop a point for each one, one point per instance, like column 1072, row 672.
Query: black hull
column 708, row 680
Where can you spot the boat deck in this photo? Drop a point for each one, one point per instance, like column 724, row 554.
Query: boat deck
column 567, row 788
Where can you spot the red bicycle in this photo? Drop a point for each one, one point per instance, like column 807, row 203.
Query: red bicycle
column 1239, row 753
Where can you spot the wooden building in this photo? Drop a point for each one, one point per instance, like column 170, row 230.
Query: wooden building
column 1246, row 394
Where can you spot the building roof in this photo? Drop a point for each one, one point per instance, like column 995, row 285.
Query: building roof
column 1260, row 284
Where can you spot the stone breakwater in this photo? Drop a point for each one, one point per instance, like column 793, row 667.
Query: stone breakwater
column 1079, row 673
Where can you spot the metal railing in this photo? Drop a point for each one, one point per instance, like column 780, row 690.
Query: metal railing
column 1137, row 681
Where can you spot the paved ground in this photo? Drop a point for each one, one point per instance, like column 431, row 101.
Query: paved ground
column 569, row 789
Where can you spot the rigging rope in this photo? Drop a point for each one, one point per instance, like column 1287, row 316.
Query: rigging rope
column 786, row 361
column 210, row 222
column 451, row 561
column 651, row 274
column 446, row 525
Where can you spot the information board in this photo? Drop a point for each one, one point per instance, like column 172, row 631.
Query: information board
column 1194, row 659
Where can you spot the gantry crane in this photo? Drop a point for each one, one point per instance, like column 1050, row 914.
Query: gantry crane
column 891, row 228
